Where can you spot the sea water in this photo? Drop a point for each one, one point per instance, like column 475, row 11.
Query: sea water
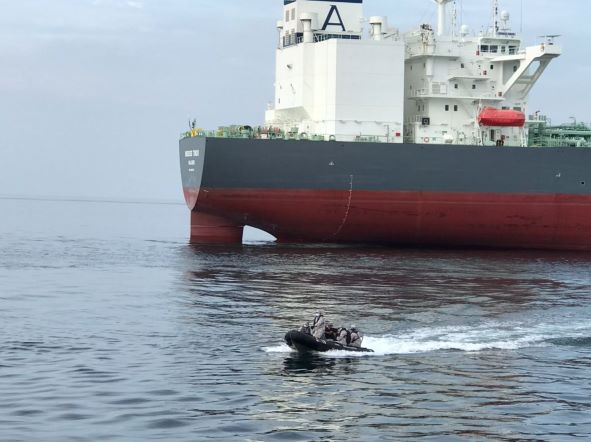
column 113, row 327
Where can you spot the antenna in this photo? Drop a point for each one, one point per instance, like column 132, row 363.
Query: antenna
column 521, row 26
column 454, row 19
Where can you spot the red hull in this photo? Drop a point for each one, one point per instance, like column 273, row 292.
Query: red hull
column 538, row 221
column 211, row 229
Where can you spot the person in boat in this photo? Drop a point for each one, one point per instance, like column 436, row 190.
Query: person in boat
column 331, row 332
column 343, row 336
column 319, row 326
column 306, row 328
column 356, row 337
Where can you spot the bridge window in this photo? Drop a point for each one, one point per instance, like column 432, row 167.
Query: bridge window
column 447, row 107
column 494, row 49
column 286, row 16
column 455, row 107
column 323, row 37
column 484, row 48
column 293, row 14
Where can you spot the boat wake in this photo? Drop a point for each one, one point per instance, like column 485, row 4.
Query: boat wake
column 484, row 337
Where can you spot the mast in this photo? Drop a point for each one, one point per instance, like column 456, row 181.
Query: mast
column 495, row 17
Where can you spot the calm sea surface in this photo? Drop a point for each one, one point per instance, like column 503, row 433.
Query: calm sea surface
column 113, row 328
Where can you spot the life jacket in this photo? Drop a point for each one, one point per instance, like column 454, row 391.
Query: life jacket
column 359, row 338
column 348, row 334
column 318, row 327
column 317, row 320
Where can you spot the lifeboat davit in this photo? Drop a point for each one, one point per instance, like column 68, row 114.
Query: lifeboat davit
column 501, row 117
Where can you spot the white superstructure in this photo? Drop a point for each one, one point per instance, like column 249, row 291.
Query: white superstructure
column 342, row 77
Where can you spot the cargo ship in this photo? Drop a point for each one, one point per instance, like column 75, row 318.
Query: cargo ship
column 378, row 136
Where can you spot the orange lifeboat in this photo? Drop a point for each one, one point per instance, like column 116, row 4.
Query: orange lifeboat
column 501, row 117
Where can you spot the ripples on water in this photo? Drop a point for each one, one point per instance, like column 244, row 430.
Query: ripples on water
column 112, row 327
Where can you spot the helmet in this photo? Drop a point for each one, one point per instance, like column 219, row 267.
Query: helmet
column 353, row 328
column 319, row 313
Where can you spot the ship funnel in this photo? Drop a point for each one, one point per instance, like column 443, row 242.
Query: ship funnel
column 307, row 19
column 377, row 26
column 441, row 16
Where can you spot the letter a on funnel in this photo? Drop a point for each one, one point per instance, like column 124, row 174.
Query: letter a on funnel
column 327, row 23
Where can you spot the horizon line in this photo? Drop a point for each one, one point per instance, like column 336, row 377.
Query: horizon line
column 84, row 199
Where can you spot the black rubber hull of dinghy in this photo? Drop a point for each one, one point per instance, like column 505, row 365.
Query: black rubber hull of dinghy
column 304, row 342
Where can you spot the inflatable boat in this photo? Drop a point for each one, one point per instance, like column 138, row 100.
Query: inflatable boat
column 304, row 342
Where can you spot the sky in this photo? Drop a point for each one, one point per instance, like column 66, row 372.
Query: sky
column 94, row 93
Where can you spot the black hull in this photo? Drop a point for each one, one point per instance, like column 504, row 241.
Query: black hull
column 389, row 194
column 303, row 342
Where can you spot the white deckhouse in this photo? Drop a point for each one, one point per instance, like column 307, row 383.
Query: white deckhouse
column 337, row 80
